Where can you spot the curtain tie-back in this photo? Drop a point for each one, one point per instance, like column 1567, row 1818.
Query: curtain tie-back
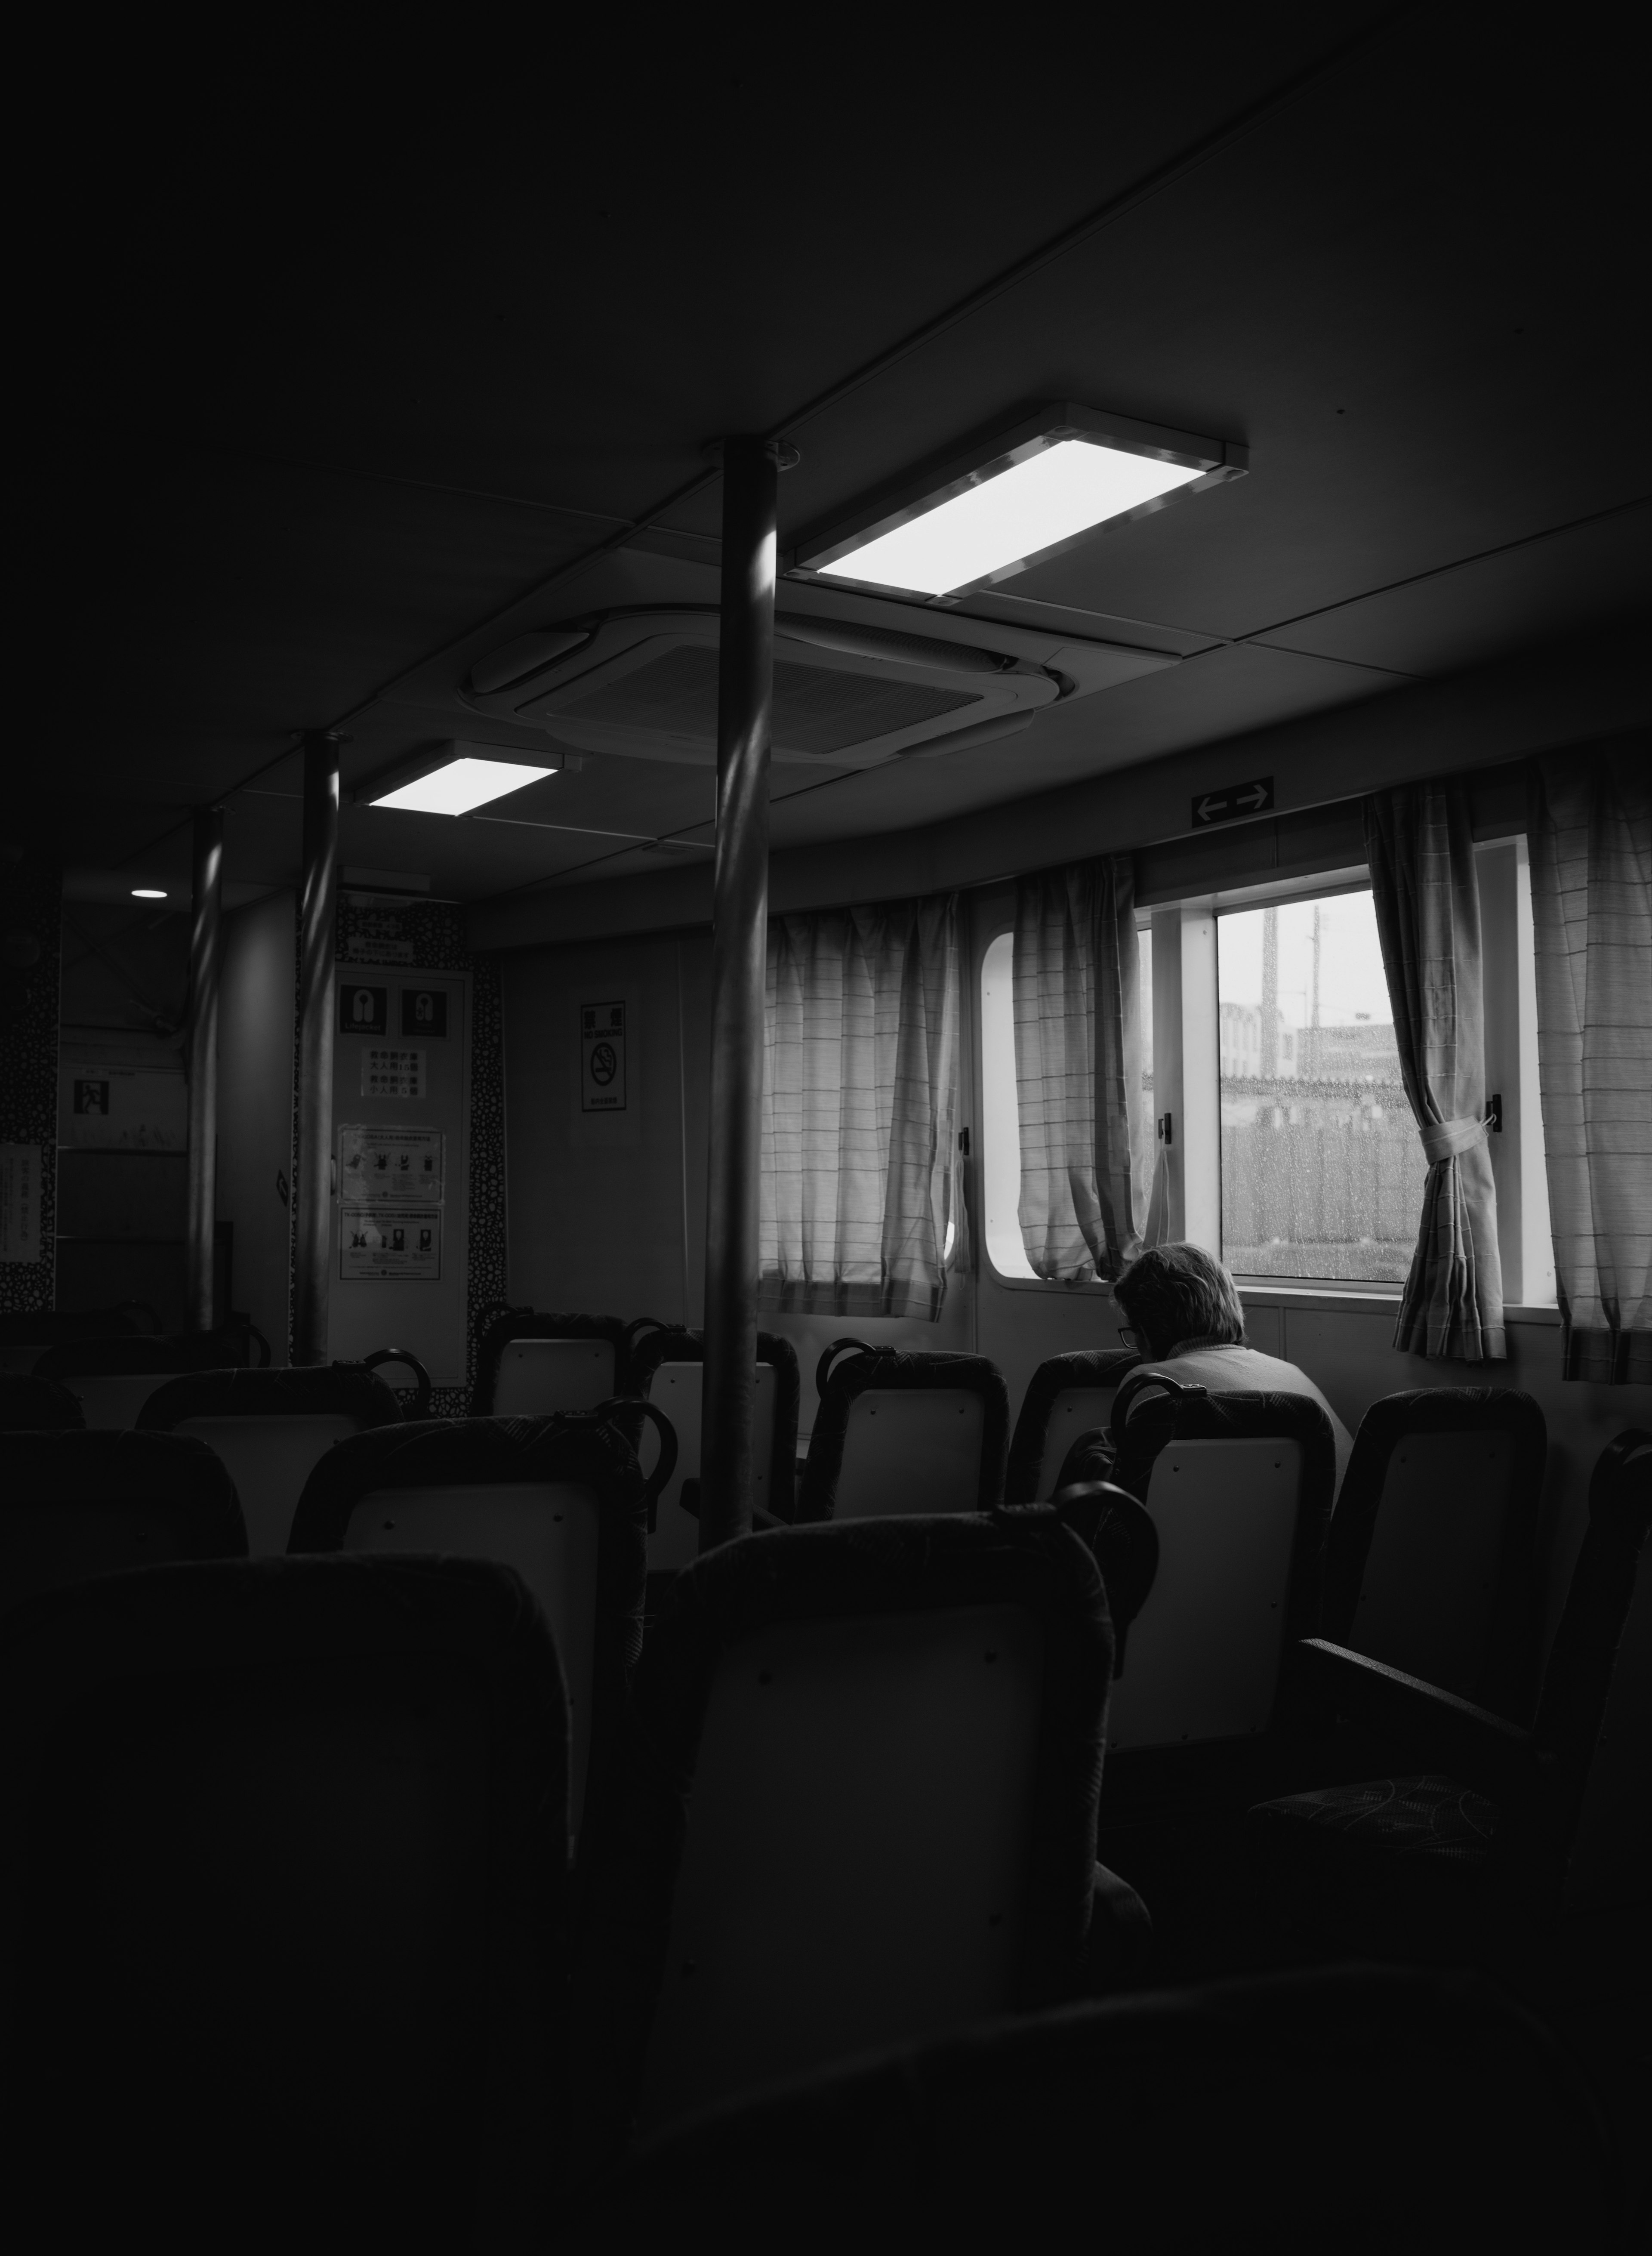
column 1444, row 1140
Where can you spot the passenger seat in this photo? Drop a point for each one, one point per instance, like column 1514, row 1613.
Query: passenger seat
column 1239, row 1487
column 33, row 1406
column 1066, row 1397
column 897, row 1433
column 285, row 1902
column 887, row 1742
column 270, row 1428
column 76, row 1506
column 669, row 1369
column 561, row 1500
column 114, row 1378
column 532, row 1366
column 1431, row 1564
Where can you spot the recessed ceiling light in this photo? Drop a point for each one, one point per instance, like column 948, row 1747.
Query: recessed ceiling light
column 147, row 893
column 459, row 785
column 1018, row 499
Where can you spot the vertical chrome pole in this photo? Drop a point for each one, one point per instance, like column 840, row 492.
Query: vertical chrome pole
column 745, row 697
column 206, row 932
column 312, row 1187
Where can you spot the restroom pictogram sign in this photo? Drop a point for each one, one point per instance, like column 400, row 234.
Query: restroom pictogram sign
column 602, row 1057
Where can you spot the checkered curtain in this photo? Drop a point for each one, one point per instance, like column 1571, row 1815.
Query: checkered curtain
column 860, row 1109
column 1084, row 1127
column 1589, row 832
column 1421, row 852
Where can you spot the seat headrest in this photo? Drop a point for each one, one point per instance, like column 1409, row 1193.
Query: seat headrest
column 340, row 1390
column 37, row 1405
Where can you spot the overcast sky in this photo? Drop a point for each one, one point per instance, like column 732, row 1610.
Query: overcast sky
column 1351, row 981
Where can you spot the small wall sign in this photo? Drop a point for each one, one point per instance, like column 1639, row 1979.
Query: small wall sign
column 602, row 1057
column 425, row 1013
column 1234, row 803
column 363, row 1010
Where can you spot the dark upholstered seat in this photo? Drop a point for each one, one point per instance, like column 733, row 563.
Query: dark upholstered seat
column 561, row 1500
column 37, row 1406
column 114, row 1378
column 897, row 1433
column 1068, row 1396
column 77, row 1505
column 857, row 1802
column 667, row 1368
column 269, row 1426
column 1499, row 1827
column 1359, row 2108
column 1432, row 1561
column 284, row 1904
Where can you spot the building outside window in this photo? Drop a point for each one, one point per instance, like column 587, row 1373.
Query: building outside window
column 1322, row 1173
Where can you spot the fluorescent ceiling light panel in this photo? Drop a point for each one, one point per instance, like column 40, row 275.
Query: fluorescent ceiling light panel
column 147, row 893
column 462, row 784
column 1019, row 499
column 1032, row 505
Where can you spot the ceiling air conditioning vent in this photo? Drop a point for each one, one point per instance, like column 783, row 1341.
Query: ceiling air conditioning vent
column 644, row 683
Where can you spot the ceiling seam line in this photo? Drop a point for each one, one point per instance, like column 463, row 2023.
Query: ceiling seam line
column 1461, row 564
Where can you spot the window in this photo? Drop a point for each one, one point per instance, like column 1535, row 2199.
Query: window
column 1322, row 1173
column 1304, row 1146
column 1001, row 1118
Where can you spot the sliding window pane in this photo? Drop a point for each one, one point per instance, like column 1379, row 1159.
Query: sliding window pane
column 1322, row 1171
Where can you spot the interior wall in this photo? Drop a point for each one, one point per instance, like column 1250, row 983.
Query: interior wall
column 608, row 1213
column 255, row 1024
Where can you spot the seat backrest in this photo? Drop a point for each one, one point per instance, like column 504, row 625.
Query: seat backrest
column 989, row 2138
column 562, row 1501
column 668, row 1368
column 898, row 1433
column 533, row 1365
column 286, row 1876
column 270, row 1428
column 77, row 1505
column 1593, row 1732
column 1430, row 1564
column 114, row 1378
column 890, row 1737
column 1239, row 1493
column 1066, row 1397
column 36, row 1406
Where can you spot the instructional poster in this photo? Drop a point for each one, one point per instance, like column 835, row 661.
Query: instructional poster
column 379, row 1167
column 401, row 1245
column 393, row 1072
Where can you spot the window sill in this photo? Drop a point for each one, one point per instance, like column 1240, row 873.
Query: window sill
column 1373, row 1300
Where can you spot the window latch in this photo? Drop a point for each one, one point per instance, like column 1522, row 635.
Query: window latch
column 963, row 1142
column 1167, row 1127
column 1494, row 1114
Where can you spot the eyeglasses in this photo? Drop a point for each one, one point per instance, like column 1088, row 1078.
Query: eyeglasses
column 1131, row 1338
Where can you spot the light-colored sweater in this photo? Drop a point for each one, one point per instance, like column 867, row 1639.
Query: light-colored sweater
column 1244, row 1370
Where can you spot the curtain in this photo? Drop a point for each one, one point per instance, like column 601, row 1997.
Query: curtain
column 1590, row 833
column 1083, row 1117
column 860, row 1109
column 1421, row 852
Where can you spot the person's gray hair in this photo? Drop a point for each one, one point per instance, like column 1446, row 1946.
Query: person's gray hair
column 1175, row 1292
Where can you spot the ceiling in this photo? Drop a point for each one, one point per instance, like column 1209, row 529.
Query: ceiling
column 347, row 383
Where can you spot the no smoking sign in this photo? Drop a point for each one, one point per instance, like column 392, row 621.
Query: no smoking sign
column 602, row 1057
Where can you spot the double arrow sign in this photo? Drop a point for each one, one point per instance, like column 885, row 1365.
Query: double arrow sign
column 1234, row 801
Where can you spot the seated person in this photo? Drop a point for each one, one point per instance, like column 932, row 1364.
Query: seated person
column 1183, row 1311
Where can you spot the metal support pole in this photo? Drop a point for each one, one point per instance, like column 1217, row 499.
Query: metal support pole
column 745, row 698
column 312, row 1185
column 205, row 934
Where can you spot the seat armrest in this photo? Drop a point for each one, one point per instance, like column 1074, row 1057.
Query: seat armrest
column 1486, row 1752
column 1119, row 1951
